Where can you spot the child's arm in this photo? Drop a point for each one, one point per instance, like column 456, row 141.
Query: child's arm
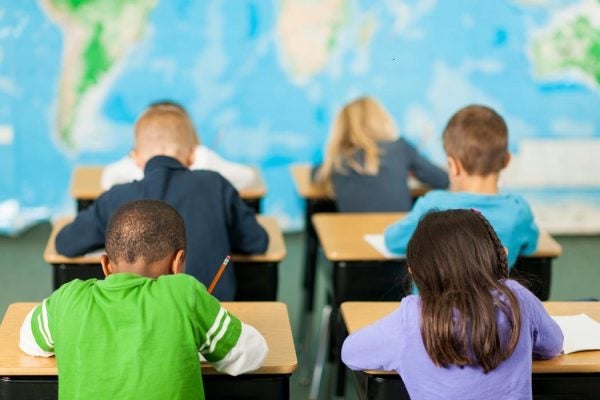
column 239, row 175
column 369, row 347
column 230, row 345
column 85, row 233
column 397, row 235
column 246, row 235
column 528, row 229
column 425, row 171
column 248, row 353
column 547, row 336
column 36, row 337
column 123, row 171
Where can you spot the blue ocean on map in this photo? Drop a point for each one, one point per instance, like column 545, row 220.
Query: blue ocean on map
column 263, row 81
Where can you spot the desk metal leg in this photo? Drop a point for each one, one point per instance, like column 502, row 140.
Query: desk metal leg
column 311, row 247
column 322, row 352
column 310, row 257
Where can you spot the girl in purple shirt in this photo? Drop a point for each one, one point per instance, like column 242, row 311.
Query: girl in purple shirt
column 471, row 333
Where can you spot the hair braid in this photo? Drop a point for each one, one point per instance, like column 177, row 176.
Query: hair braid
column 500, row 251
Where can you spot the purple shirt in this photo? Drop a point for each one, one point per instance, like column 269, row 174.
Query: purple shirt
column 394, row 344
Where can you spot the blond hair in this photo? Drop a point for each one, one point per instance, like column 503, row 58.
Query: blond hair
column 359, row 126
column 165, row 130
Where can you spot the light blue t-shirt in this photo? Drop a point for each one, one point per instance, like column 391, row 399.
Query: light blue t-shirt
column 509, row 214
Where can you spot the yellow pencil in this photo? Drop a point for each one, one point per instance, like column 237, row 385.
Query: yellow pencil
column 218, row 275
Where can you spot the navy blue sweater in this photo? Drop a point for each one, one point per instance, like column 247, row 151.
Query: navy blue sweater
column 217, row 221
column 388, row 190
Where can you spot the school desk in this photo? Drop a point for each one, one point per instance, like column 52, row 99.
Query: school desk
column 27, row 377
column 85, row 187
column 256, row 275
column 572, row 376
column 316, row 200
column 359, row 272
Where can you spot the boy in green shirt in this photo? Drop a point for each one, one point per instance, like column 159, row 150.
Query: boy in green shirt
column 137, row 333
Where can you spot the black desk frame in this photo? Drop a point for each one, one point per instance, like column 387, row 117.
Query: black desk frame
column 547, row 386
column 387, row 281
column 255, row 281
column 217, row 387
column 311, row 247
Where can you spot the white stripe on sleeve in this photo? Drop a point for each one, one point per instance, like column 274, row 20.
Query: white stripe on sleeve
column 27, row 342
column 213, row 329
column 248, row 353
column 217, row 338
column 45, row 323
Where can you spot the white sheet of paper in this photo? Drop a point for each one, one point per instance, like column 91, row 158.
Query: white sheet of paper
column 580, row 331
column 95, row 253
column 376, row 241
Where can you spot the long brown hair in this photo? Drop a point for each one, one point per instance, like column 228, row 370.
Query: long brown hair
column 360, row 125
column 460, row 267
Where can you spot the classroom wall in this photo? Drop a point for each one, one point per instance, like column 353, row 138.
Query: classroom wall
column 264, row 79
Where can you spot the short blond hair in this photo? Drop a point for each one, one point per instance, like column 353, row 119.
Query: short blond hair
column 164, row 130
column 360, row 125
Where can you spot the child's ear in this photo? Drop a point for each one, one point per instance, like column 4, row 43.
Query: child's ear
column 191, row 158
column 178, row 264
column 454, row 167
column 137, row 158
column 107, row 267
column 507, row 159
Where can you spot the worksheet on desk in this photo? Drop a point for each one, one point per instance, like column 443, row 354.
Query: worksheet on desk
column 378, row 243
column 580, row 331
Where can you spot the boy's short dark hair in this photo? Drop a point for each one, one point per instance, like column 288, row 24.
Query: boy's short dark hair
column 146, row 230
column 478, row 137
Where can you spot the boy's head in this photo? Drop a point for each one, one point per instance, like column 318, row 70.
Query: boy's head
column 146, row 237
column 164, row 129
column 476, row 140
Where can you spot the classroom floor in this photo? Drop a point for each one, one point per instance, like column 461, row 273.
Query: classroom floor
column 24, row 276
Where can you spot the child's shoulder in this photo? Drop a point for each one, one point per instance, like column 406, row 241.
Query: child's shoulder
column 180, row 281
column 209, row 176
column 437, row 196
column 512, row 197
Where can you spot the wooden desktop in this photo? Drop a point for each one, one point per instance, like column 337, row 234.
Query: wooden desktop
column 360, row 272
column 23, row 376
column 571, row 376
column 256, row 275
column 85, row 187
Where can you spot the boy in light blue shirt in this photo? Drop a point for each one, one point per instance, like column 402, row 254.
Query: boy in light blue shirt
column 476, row 143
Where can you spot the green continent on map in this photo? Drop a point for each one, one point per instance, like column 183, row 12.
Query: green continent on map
column 570, row 47
column 97, row 34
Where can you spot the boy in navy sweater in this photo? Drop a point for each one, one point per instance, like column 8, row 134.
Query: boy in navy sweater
column 217, row 221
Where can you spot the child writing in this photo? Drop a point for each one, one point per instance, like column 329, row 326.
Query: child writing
column 367, row 164
column 137, row 333
column 217, row 221
column 476, row 143
column 471, row 332
column 126, row 170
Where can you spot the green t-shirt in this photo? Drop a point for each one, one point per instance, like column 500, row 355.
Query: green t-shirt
column 130, row 336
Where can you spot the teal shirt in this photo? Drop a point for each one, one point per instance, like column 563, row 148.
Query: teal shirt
column 133, row 337
column 509, row 214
